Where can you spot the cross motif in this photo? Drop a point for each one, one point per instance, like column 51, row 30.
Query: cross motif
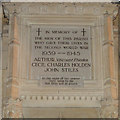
column 83, row 32
column 39, row 31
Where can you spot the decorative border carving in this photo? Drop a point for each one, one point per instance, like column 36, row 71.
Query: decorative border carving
column 63, row 100
column 78, row 9
column 109, row 109
column 60, row 8
column 13, row 108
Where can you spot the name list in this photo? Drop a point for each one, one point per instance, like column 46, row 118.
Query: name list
column 60, row 55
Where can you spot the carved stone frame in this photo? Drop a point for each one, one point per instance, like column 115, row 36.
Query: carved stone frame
column 94, row 86
column 103, row 84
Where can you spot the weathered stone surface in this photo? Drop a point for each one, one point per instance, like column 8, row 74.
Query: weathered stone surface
column 0, row 60
column 61, row 113
column 60, row 1
column 26, row 21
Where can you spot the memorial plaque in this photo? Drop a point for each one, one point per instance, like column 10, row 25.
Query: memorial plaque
column 60, row 55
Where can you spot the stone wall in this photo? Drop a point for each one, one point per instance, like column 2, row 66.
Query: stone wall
column 9, row 13
column 0, row 60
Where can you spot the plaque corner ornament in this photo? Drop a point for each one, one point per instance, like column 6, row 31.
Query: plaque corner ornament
column 13, row 108
column 109, row 109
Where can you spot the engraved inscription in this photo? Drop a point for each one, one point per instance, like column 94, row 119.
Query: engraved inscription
column 60, row 55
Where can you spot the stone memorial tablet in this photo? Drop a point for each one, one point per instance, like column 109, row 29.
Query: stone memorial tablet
column 60, row 54
column 59, row 60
